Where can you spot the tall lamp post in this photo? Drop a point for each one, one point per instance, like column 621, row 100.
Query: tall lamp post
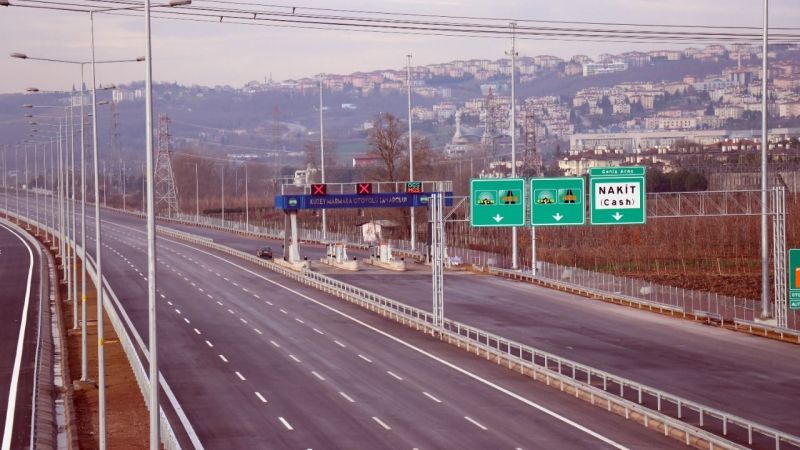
column 411, row 153
column 765, row 306
column 322, row 158
column 513, row 131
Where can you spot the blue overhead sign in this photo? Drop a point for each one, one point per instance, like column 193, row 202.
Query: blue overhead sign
column 337, row 201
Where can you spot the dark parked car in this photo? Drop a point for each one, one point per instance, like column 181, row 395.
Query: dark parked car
column 264, row 252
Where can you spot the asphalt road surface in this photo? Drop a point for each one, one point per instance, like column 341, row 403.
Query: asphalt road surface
column 258, row 361
column 745, row 375
column 19, row 308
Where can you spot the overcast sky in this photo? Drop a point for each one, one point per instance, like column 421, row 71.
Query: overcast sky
column 215, row 54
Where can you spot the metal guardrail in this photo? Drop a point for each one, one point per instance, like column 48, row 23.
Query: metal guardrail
column 168, row 437
column 764, row 329
column 653, row 406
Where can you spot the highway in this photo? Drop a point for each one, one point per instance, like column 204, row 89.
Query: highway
column 258, row 361
column 752, row 377
column 19, row 310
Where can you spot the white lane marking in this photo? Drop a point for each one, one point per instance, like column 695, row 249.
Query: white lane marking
column 201, row 289
column 298, row 319
column 222, row 357
column 197, row 331
column 210, row 344
column 419, row 350
column 243, row 321
column 320, row 377
column 275, row 344
column 339, row 344
column 257, row 331
column 241, row 377
column 474, row 422
column 219, row 303
column 364, row 358
column 256, row 296
column 210, row 296
column 285, row 423
column 236, row 284
column 162, row 296
column 268, row 302
column 177, row 310
column 186, row 320
column 169, row 303
column 12, row 390
column 231, row 311
column 245, row 289
column 294, row 358
column 261, row 397
column 398, row 377
column 193, row 285
column 284, row 311
column 318, row 332
column 217, row 274
column 225, row 278
column 431, row 397
column 347, row 397
column 381, row 423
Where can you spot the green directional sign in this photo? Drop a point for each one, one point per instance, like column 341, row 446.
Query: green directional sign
column 794, row 278
column 497, row 202
column 617, row 195
column 557, row 201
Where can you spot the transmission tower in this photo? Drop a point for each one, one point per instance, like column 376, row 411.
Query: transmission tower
column 166, row 193
column 532, row 163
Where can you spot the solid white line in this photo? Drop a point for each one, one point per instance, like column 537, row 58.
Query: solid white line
column 431, row 397
column 285, row 423
column 472, row 421
column 380, row 422
column 275, row 344
column 347, row 397
column 294, row 358
column 261, row 397
column 320, row 377
column 240, row 376
column 222, row 357
column 12, row 390
column 210, row 344
column 399, row 378
column 364, row 358
column 339, row 344
column 419, row 350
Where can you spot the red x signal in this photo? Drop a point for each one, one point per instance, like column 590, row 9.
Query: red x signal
column 319, row 189
column 364, row 188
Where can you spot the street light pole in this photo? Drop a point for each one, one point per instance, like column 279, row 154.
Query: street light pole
column 411, row 153
column 196, row 195
column 765, row 306
column 514, row 245
column 322, row 158
column 84, row 329
column 246, row 202
column 72, row 216
column 101, row 375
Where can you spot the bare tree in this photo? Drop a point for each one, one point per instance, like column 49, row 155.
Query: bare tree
column 386, row 140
